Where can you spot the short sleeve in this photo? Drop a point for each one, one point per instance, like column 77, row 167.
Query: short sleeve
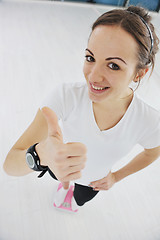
column 151, row 139
column 59, row 100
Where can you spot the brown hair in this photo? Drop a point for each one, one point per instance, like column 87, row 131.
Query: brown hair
column 132, row 21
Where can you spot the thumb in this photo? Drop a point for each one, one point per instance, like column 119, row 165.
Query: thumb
column 54, row 129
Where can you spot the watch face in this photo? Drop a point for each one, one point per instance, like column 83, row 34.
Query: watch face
column 30, row 160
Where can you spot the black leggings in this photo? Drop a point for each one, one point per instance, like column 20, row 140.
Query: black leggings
column 82, row 194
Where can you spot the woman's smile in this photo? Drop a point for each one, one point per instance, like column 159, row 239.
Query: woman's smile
column 97, row 89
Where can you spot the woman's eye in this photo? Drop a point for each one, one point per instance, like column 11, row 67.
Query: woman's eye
column 113, row 66
column 89, row 58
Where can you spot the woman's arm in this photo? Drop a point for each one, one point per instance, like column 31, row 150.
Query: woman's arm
column 65, row 160
column 141, row 161
column 15, row 163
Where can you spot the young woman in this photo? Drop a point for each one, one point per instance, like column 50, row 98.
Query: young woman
column 102, row 119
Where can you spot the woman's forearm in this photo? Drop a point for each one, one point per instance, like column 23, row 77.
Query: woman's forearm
column 15, row 163
column 141, row 161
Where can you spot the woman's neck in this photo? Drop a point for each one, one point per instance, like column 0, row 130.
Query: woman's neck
column 115, row 105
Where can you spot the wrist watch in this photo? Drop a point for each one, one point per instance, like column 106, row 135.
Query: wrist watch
column 33, row 160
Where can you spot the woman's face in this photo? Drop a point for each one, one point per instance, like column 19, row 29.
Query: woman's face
column 110, row 63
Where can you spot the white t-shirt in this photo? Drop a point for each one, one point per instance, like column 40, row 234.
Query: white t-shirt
column 140, row 124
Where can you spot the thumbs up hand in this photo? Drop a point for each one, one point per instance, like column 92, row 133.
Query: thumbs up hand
column 65, row 160
column 52, row 121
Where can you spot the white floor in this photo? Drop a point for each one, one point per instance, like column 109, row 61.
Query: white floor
column 42, row 43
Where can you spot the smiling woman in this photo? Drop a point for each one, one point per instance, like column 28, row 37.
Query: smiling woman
column 110, row 64
column 102, row 120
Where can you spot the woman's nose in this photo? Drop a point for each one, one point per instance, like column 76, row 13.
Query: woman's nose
column 96, row 74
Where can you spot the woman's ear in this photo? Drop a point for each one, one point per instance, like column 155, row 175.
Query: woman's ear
column 141, row 73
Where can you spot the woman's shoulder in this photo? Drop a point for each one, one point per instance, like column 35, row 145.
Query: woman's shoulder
column 75, row 90
column 142, row 104
column 74, row 86
column 145, row 110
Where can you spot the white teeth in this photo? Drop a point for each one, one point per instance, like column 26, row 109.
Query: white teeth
column 97, row 88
